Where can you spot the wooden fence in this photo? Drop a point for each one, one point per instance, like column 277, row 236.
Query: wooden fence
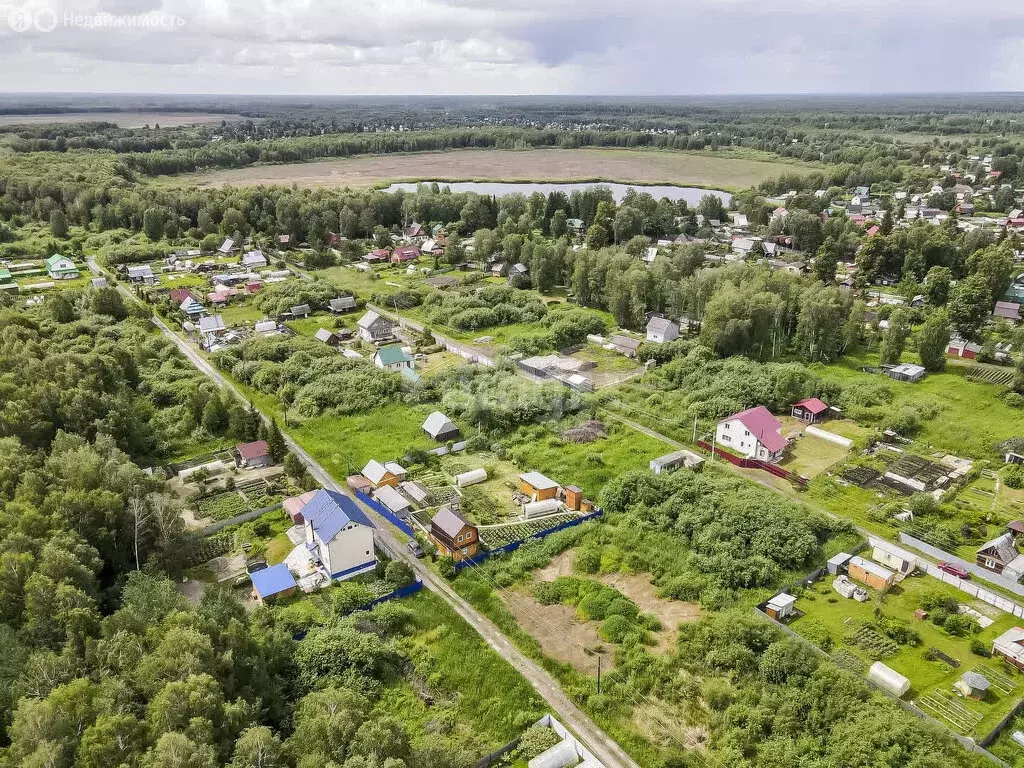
column 767, row 466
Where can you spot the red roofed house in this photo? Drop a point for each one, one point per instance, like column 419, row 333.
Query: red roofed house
column 405, row 253
column 294, row 505
column 178, row 295
column 253, row 455
column 809, row 410
column 1008, row 310
column 753, row 434
column 1015, row 223
column 873, row 231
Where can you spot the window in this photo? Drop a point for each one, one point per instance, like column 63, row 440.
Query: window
column 746, row 433
column 990, row 563
column 460, row 537
column 726, row 439
column 367, row 551
column 465, row 550
column 726, row 425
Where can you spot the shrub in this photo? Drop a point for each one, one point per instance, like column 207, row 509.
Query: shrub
column 398, row 574
column 587, row 560
column 535, row 740
column 615, row 628
column 960, row 624
column 979, row 648
column 1013, row 476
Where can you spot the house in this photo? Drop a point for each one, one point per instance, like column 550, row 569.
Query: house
column 810, row 410
column 272, row 584
column 440, row 427
column 293, row 506
column 575, row 226
column 781, row 606
column 753, row 434
column 414, row 230
column 97, row 282
column 342, row 304
column 376, row 256
column 905, row 372
column 254, row 260
column 266, row 327
column 178, row 295
column 192, row 308
column 375, row 328
column 339, row 533
column 838, row 563
column 958, row 347
column 624, row 345
column 452, row 535
column 405, row 253
column 394, row 501
column 60, row 268
column 210, row 328
column 1007, row 310
column 872, row 574
column 228, row 246
column 537, row 486
column 661, row 329
column 141, row 273
column 1000, row 555
column 499, row 269
column 330, row 338
column 301, row 310
column 676, row 459
column 432, row 247
column 378, row 474
column 284, row 242
column 252, row 455
column 518, row 270
column 1010, row 647
column 572, row 496
column 973, row 685
column 392, row 358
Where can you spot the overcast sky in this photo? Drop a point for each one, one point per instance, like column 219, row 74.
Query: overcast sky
column 514, row 46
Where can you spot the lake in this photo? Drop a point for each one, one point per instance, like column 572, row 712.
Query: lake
column 691, row 195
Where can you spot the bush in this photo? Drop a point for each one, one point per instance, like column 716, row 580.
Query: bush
column 535, row 740
column 979, row 648
column 960, row 624
column 1013, row 476
column 398, row 574
column 615, row 628
column 587, row 560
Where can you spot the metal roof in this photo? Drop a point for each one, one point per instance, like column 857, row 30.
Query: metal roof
column 448, row 522
column 328, row 512
column 538, row 481
column 272, row 580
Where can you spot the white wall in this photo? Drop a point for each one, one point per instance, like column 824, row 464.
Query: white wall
column 348, row 549
column 737, row 438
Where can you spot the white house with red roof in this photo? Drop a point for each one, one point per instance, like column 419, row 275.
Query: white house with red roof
column 752, row 434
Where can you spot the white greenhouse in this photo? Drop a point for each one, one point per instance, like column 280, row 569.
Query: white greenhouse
column 472, row 477
column 888, row 679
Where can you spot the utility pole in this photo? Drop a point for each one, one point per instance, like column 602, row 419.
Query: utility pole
column 694, row 430
column 599, row 673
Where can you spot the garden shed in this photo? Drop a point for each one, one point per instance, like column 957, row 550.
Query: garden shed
column 888, row 679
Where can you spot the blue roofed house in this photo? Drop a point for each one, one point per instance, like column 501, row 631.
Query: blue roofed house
column 339, row 534
column 272, row 583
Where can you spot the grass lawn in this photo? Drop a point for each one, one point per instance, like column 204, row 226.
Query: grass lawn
column 608, row 361
column 278, row 548
column 343, row 444
column 489, row 502
column 439, row 361
column 810, row 456
column 308, row 326
column 363, row 283
column 829, row 614
column 241, row 314
column 588, row 465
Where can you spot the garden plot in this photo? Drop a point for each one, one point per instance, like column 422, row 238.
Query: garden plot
column 932, row 653
column 809, row 455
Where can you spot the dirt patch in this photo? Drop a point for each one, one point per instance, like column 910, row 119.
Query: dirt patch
column 671, row 613
column 560, row 634
column 553, row 165
column 560, row 565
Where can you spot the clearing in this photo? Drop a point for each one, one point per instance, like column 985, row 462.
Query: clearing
column 622, row 165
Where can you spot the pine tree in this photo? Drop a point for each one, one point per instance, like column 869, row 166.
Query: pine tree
column 275, row 441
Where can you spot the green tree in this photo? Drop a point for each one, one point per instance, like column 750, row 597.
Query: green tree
column 58, row 224
column 275, row 441
column 176, row 750
column 936, row 285
column 153, row 223
column 597, row 237
column 895, row 338
column 112, row 741
column 629, row 222
column 932, row 340
column 215, row 415
column 258, row 747
column 108, row 301
column 970, row 303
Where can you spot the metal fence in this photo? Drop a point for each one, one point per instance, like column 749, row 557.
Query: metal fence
column 512, row 546
column 964, row 584
column 386, row 513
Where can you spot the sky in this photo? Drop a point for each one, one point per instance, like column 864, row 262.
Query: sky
column 410, row 47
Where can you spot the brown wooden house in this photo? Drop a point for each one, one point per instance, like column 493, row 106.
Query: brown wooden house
column 452, row 535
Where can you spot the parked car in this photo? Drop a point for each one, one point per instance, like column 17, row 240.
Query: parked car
column 955, row 570
column 415, row 548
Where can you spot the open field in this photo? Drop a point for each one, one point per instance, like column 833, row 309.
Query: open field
column 122, row 119
column 829, row 614
column 622, row 165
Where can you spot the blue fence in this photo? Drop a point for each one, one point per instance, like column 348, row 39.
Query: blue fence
column 408, row 589
column 512, row 546
column 387, row 514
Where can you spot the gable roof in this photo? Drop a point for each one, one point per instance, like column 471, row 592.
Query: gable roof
column 190, row 305
column 437, row 423
column 301, row 309
column 273, row 580
column 448, row 522
column 1002, row 547
column 660, row 324
column 812, row 404
column 343, row 302
column 374, row 471
column 391, row 498
column 56, row 259
column 625, row 342
column 211, row 323
column 328, row 512
column 253, row 450
column 1007, row 309
column 324, row 335
column 140, row 270
column 762, row 425
column 391, row 354
column 371, row 317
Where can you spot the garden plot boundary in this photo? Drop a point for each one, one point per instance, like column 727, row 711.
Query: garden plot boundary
column 963, row 585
